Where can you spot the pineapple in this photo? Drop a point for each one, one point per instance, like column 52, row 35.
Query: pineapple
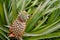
column 18, row 27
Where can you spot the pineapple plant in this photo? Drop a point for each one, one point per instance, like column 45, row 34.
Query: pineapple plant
column 43, row 22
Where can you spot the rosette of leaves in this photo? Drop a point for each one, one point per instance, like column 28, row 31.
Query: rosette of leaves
column 44, row 21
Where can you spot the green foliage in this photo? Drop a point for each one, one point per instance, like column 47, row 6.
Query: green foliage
column 43, row 23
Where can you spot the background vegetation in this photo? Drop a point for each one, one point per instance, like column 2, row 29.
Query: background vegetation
column 44, row 21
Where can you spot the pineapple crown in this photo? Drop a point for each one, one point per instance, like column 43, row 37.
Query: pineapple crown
column 23, row 15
